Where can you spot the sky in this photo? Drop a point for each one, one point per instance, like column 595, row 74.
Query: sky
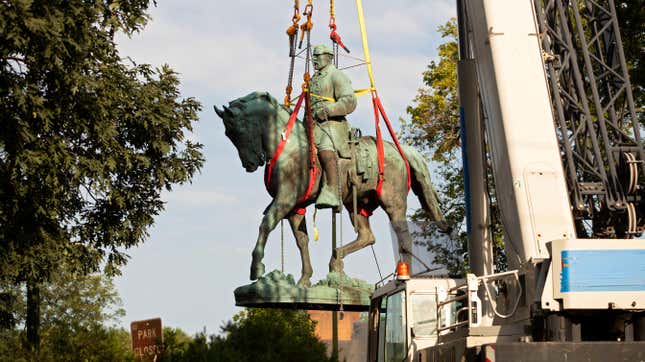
column 199, row 249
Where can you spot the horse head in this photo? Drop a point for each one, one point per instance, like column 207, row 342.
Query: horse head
column 243, row 121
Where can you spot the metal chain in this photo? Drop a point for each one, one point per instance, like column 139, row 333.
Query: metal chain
column 292, row 32
column 308, row 56
column 335, row 49
column 308, row 25
column 292, row 55
column 306, row 30
column 340, row 239
column 332, row 25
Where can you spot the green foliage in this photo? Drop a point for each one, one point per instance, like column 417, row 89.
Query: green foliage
column 177, row 344
column 631, row 17
column 434, row 124
column 272, row 335
column 434, row 128
column 78, row 314
column 87, row 141
column 253, row 335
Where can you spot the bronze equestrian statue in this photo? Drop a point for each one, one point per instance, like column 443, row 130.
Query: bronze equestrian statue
column 256, row 123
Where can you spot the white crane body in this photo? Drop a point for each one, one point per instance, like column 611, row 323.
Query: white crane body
column 568, row 288
column 519, row 124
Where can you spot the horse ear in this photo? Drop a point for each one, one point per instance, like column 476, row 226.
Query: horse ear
column 220, row 112
column 224, row 111
column 269, row 98
column 266, row 96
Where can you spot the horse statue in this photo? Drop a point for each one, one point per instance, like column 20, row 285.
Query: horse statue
column 256, row 123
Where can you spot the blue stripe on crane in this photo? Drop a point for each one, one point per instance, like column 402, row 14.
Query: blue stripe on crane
column 602, row 270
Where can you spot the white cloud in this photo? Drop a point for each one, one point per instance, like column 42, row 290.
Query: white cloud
column 412, row 19
column 240, row 47
column 217, row 62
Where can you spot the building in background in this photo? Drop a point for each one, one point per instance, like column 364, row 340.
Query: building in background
column 352, row 333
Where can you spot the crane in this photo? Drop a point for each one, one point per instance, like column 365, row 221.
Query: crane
column 547, row 108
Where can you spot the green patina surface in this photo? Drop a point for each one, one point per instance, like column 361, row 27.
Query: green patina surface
column 255, row 124
column 278, row 290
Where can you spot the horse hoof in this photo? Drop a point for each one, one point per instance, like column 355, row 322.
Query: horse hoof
column 304, row 282
column 257, row 271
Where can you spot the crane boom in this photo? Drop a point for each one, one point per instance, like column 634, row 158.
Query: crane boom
column 530, row 183
column 546, row 82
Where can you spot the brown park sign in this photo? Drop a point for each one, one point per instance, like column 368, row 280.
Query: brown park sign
column 147, row 338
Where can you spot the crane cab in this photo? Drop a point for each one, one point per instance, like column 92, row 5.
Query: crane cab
column 409, row 316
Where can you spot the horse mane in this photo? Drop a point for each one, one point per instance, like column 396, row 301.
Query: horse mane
column 239, row 107
column 241, row 102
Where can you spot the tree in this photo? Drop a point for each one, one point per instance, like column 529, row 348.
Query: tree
column 176, row 344
column 79, row 316
column 631, row 17
column 262, row 335
column 434, row 128
column 252, row 335
column 87, row 141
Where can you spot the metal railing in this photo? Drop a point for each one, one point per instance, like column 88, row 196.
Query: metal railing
column 473, row 306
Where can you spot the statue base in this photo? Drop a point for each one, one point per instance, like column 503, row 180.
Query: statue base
column 277, row 290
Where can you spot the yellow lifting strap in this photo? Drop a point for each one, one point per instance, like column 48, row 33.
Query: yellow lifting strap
column 366, row 52
column 366, row 49
column 358, row 92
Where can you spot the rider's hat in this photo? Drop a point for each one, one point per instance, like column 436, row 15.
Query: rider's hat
column 322, row 49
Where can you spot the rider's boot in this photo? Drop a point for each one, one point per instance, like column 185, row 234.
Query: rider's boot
column 329, row 196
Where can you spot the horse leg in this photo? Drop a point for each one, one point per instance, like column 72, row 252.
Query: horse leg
column 396, row 213
column 274, row 213
column 299, row 228
column 364, row 238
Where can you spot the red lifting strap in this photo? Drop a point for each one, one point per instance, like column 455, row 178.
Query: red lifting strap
column 335, row 37
column 278, row 151
column 287, row 131
column 380, row 155
column 378, row 108
column 312, row 148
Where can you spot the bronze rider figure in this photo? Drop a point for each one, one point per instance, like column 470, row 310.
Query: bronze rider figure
column 332, row 98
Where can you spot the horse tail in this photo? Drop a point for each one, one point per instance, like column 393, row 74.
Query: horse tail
column 423, row 188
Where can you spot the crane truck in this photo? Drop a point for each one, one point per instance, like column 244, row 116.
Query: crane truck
column 547, row 109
